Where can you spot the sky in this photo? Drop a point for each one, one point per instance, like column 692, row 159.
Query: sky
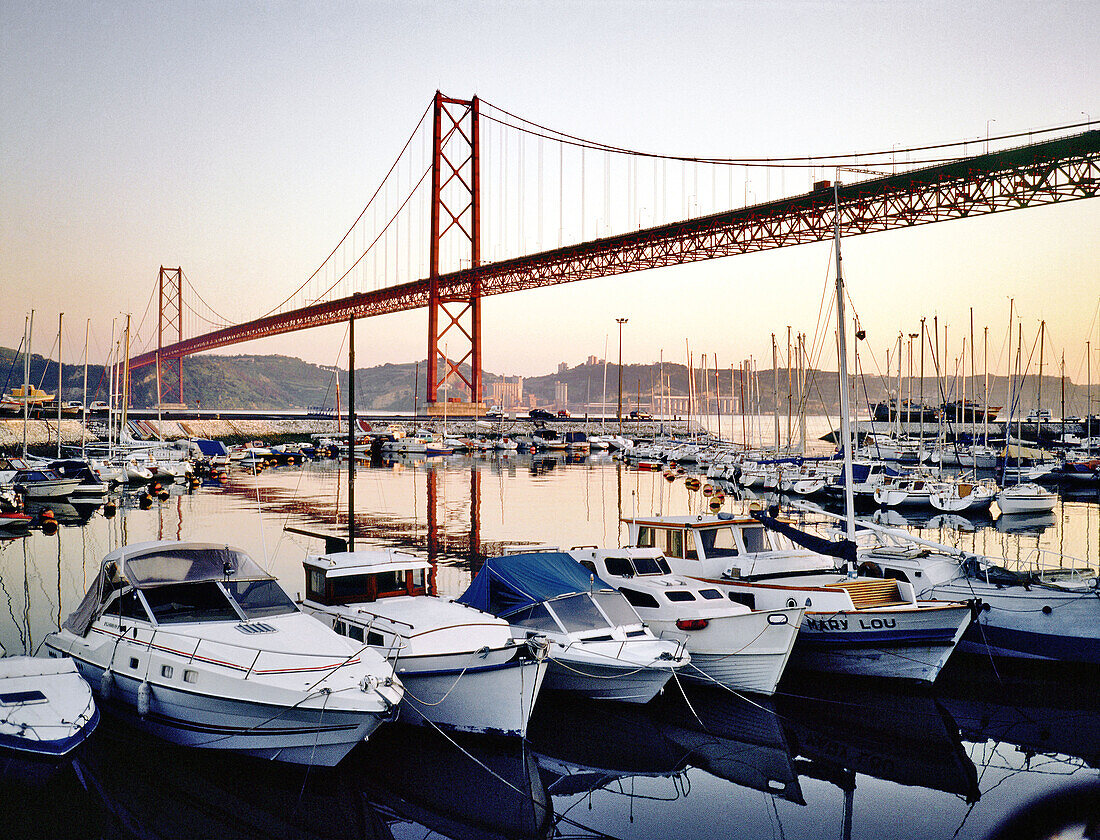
column 240, row 141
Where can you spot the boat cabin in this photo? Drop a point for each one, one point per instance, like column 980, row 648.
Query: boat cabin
column 356, row 577
column 172, row 583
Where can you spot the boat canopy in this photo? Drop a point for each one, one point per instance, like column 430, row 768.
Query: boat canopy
column 151, row 564
column 210, row 448
column 510, row 583
column 843, row 549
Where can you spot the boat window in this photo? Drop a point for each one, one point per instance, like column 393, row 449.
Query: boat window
column 679, row 595
column 619, row 566
column 656, row 565
column 315, row 584
column 535, row 617
column 718, row 542
column 588, row 564
column 711, row 594
column 349, row 589
column 617, row 608
column 674, row 543
column 129, row 606
column 185, row 602
column 755, row 539
column 355, row 632
column 260, row 598
column 646, row 537
column 578, row 613
column 416, row 578
column 639, row 599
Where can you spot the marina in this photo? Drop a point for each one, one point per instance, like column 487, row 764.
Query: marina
column 831, row 754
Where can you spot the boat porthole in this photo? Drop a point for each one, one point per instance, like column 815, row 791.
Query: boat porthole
column 133, row 662
column 1047, row 610
column 791, row 603
column 809, row 603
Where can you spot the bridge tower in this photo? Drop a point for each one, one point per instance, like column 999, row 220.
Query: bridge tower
column 456, row 221
column 170, row 321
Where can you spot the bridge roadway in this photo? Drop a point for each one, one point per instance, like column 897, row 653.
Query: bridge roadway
column 1053, row 171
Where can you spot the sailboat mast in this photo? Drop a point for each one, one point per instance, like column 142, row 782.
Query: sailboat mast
column 351, row 433
column 842, row 350
column 84, row 397
column 1039, row 383
column 60, row 315
column 27, row 381
column 775, row 395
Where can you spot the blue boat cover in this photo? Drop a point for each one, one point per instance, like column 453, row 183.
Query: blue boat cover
column 510, row 583
column 210, row 448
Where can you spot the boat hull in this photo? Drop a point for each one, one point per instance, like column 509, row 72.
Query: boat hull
column 623, row 682
column 451, row 692
column 743, row 652
column 294, row 734
column 910, row 644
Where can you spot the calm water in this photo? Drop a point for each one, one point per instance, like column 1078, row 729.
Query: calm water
column 822, row 759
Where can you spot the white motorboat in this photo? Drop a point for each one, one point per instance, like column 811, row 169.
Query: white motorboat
column 730, row 645
column 1026, row 498
column 197, row 644
column 33, row 481
column 854, row 624
column 598, row 646
column 461, row 667
column 46, row 707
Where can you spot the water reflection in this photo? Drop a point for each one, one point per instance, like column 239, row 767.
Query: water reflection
column 824, row 758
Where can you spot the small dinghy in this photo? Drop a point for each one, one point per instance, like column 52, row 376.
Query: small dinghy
column 46, row 707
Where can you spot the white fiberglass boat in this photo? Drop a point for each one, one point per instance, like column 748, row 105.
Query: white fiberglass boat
column 196, row 644
column 854, row 624
column 46, row 707
column 461, row 667
column 730, row 645
column 963, row 495
column 1026, row 498
column 599, row 647
column 1048, row 611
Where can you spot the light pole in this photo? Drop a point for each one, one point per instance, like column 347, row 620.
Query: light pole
column 620, row 322
column 987, row 122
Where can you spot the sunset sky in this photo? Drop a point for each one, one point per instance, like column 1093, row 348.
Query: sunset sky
column 240, row 141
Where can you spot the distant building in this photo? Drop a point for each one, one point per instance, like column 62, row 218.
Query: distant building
column 563, row 367
column 508, row 393
column 592, row 360
column 561, row 394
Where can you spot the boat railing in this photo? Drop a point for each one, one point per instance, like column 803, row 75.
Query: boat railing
column 1035, row 561
column 250, row 660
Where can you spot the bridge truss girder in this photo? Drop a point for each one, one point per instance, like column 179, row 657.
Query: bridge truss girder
column 1051, row 172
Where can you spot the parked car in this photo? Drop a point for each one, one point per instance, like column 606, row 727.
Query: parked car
column 640, row 415
column 564, row 413
column 540, row 414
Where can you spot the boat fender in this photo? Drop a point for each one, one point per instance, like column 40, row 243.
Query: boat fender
column 106, row 684
column 144, row 698
column 869, row 569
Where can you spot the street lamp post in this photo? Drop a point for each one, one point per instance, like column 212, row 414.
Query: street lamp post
column 987, row 122
column 620, row 322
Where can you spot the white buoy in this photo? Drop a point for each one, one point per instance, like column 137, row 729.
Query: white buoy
column 145, row 696
column 106, row 684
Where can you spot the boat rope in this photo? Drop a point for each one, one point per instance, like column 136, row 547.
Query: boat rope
column 522, row 793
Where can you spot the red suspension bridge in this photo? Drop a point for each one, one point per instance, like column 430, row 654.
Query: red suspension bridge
column 419, row 241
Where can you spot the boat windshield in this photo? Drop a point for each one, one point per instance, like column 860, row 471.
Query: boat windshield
column 178, row 603
column 535, row 617
column 578, row 613
column 617, row 608
column 651, row 565
column 260, row 598
column 720, row 542
column 166, row 565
